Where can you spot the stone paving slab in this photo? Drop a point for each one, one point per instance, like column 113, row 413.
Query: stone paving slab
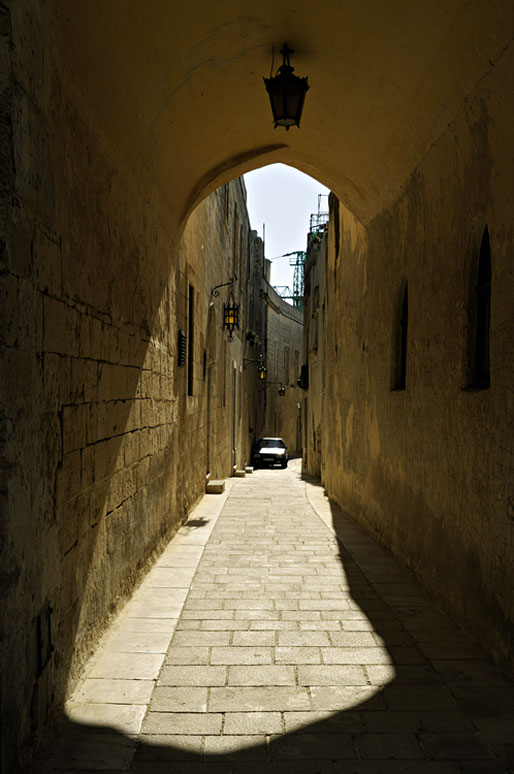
column 112, row 691
column 297, row 645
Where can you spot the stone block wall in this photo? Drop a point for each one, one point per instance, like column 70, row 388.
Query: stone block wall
column 284, row 348
column 313, row 356
column 429, row 468
column 102, row 450
column 216, row 246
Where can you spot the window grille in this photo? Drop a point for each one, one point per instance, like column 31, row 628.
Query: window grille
column 181, row 348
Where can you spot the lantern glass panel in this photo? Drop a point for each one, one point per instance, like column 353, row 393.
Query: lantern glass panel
column 231, row 317
column 291, row 100
column 287, row 94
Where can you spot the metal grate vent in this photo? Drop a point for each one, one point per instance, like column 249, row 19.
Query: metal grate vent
column 181, row 348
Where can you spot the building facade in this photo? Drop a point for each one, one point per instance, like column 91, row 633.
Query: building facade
column 284, row 345
column 313, row 356
column 408, row 416
column 143, row 400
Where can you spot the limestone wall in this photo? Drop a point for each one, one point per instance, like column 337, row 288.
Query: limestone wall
column 284, row 347
column 102, row 450
column 313, row 356
column 255, row 337
column 110, row 131
column 217, row 246
column 429, row 469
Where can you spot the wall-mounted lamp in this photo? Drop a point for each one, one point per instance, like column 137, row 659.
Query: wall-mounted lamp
column 286, row 92
column 261, row 368
column 230, row 309
column 230, row 316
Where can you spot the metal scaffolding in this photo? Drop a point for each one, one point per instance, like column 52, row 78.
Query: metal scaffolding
column 317, row 228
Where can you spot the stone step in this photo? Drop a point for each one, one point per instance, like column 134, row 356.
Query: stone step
column 215, row 487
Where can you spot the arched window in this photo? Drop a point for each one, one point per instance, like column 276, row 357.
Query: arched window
column 400, row 328
column 482, row 374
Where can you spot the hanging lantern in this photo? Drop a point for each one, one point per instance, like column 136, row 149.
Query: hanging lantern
column 262, row 372
column 287, row 93
column 230, row 316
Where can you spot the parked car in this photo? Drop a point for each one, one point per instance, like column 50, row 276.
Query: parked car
column 270, row 451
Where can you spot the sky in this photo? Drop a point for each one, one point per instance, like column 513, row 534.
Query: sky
column 283, row 199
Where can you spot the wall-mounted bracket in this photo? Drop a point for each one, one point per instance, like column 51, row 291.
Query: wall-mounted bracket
column 215, row 290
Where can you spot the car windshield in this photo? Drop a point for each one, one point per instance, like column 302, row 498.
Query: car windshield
column 272, row 443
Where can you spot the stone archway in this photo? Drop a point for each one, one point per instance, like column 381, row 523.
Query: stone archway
column 385, row 83
column 117, row 121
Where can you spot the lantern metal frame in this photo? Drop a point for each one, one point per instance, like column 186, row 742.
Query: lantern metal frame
column 261, row 368
column 230, row 316
column 230, row 308
column 286, row 92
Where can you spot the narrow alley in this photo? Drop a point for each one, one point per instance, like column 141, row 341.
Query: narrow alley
column 272, row 635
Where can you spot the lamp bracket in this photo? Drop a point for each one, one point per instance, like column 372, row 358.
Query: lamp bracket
column 247, row 361
column 215, row 290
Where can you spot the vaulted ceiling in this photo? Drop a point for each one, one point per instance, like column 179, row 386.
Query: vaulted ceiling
column 179, row 85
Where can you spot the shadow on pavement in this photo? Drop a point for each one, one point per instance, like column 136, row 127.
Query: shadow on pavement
column 436, row 706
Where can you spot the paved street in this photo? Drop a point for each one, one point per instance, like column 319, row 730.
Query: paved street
column 273, row 636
